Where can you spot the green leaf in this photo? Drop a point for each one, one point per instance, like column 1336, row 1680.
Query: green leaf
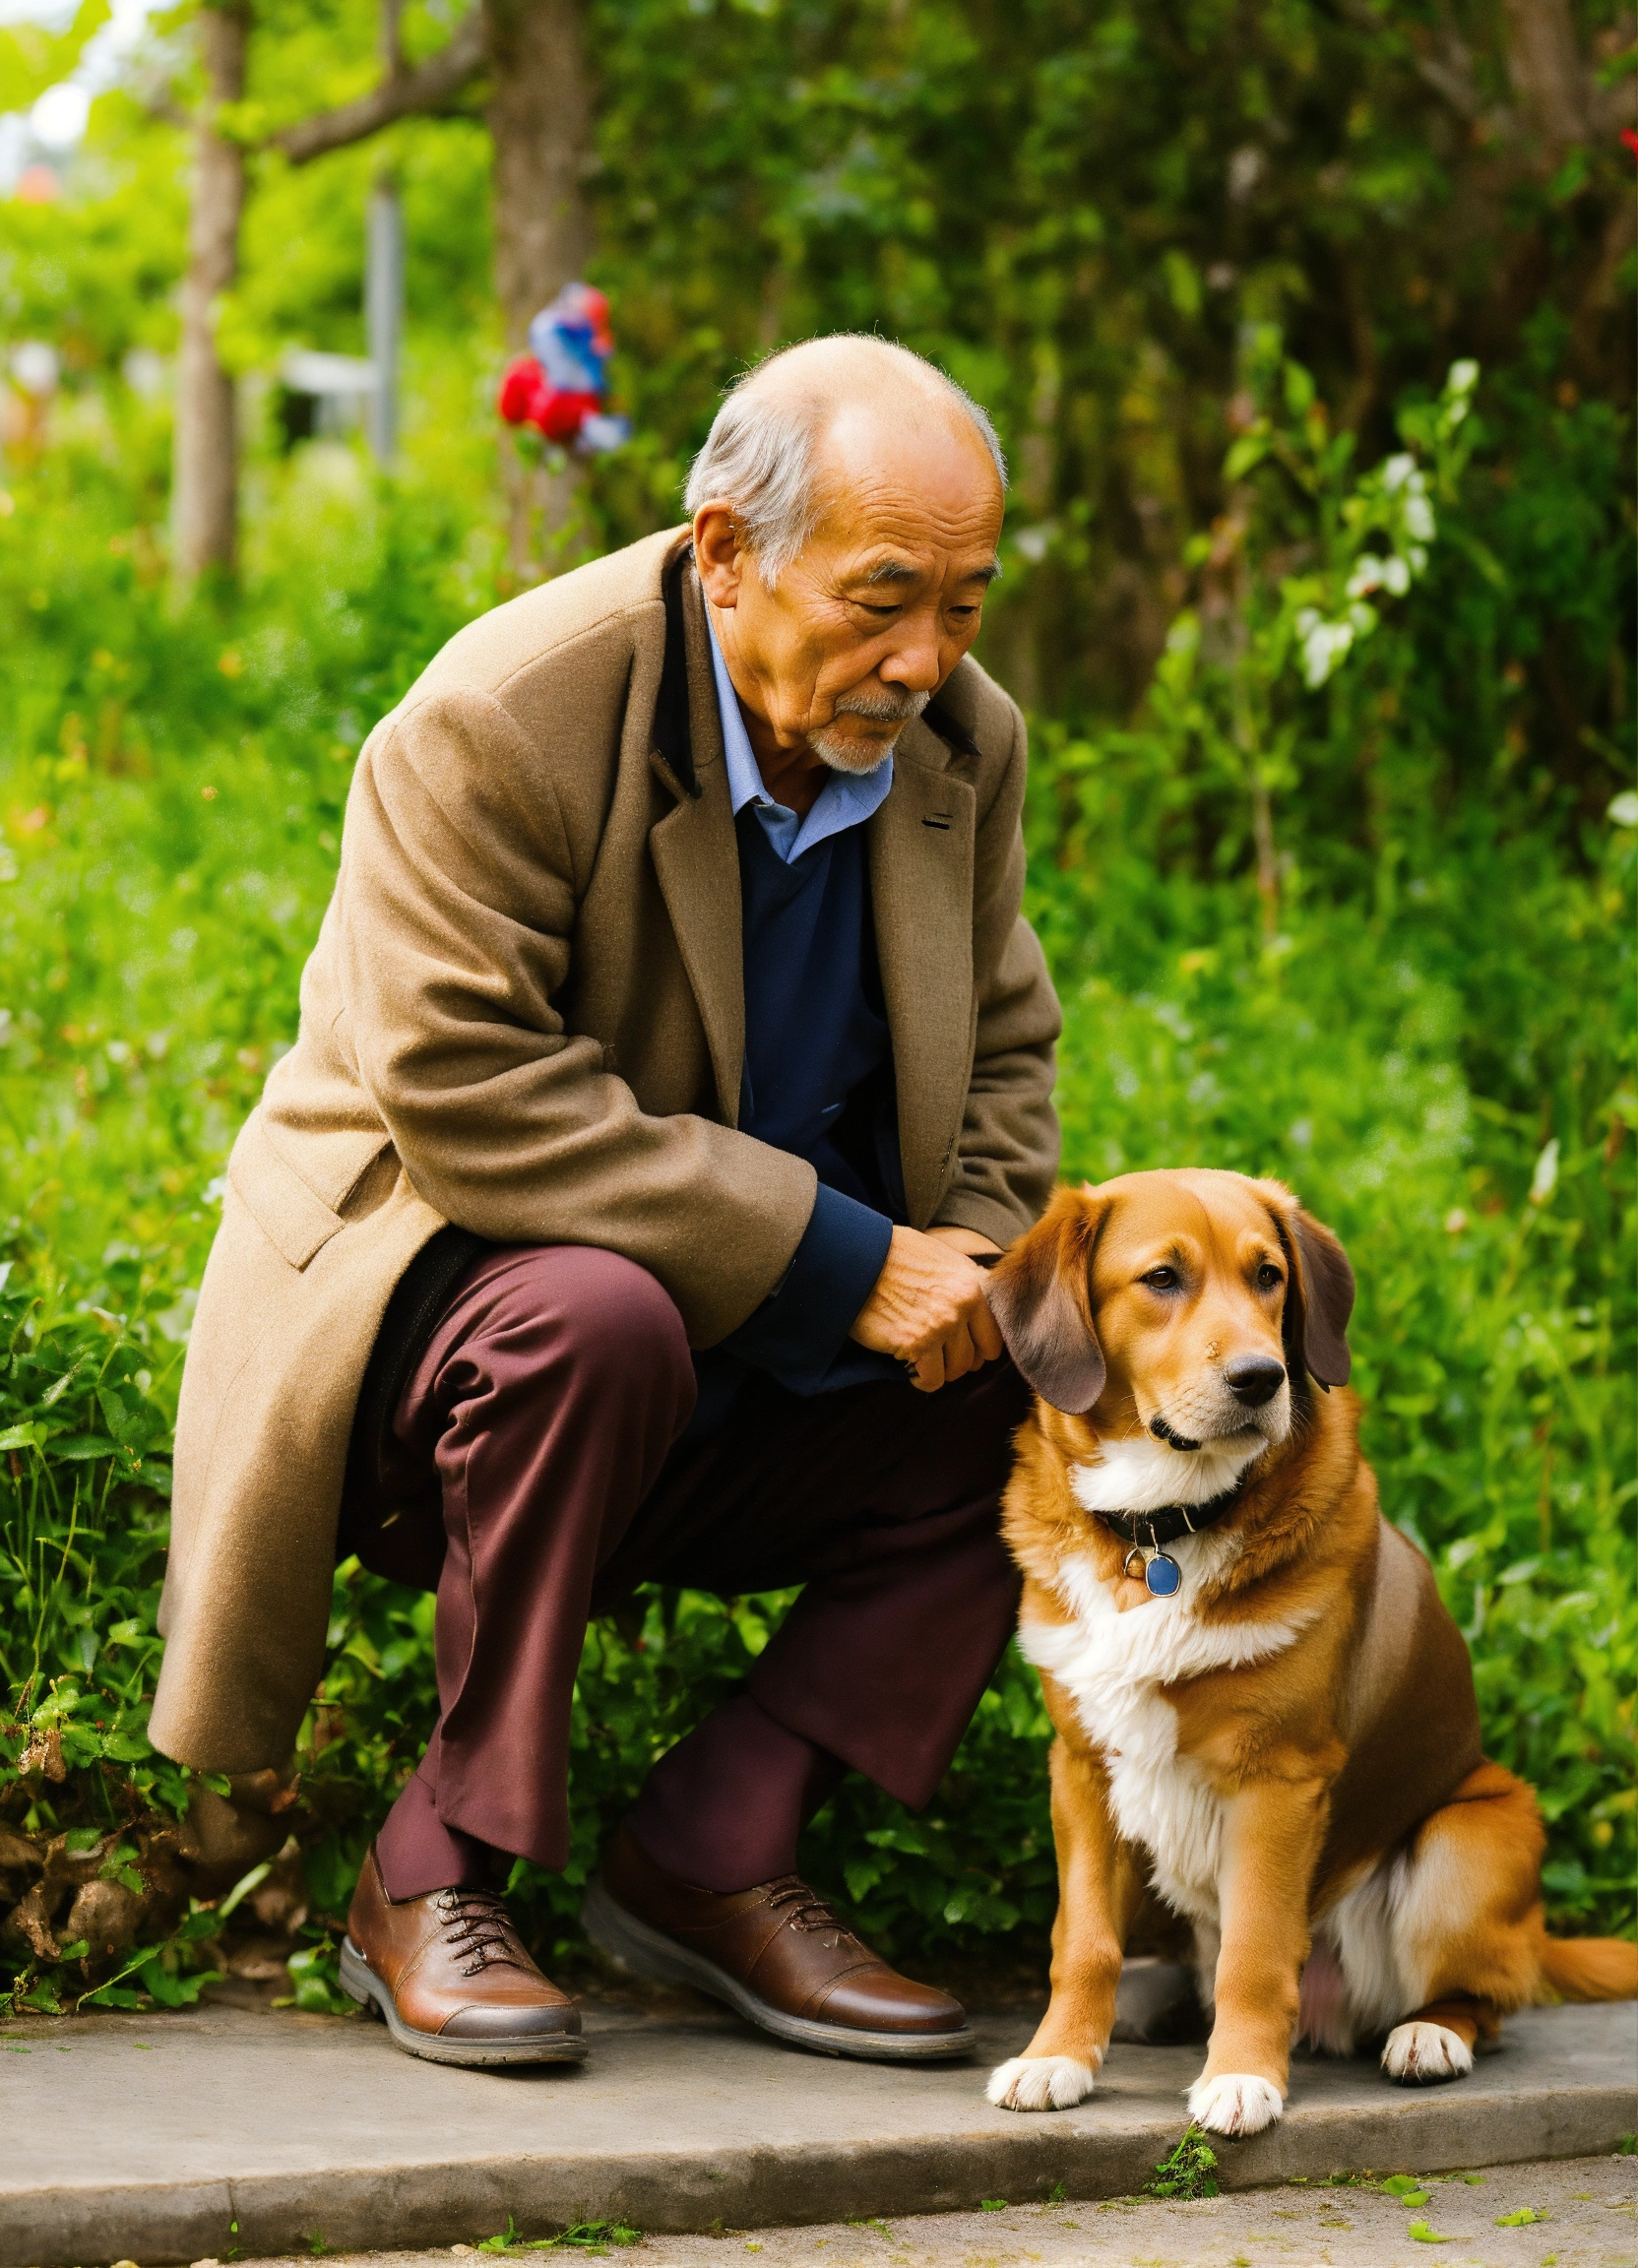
column 1525, row 2218
column 118, row 1418
column 1182, row 282
column 79, row 1448
column 22, row 1436
column 1422, row 2234
column 1246, row 454
column 112, row 1996
column 176, row 1992
column 1298, row 389
column 242, row 1889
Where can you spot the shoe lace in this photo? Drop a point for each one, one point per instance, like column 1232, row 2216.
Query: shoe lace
column 477, row 1926
column 807, row 1910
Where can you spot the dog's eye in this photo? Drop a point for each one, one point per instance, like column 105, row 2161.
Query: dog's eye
column 1269, row 1277
column 1162, row 1278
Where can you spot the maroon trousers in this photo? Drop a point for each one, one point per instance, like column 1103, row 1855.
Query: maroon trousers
column 534, row 1475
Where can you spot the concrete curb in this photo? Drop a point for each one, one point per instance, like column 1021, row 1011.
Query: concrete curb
column 693, row 2126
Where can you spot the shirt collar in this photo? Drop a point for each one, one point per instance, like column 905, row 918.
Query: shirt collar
column 846, row 799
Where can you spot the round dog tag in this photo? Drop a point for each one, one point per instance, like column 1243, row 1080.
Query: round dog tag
column 1163, row 1576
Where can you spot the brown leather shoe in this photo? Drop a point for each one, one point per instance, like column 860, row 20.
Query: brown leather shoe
column 775, row 1954
column 450, row 1975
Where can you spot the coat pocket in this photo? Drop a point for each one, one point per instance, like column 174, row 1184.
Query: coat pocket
column 290, row 1214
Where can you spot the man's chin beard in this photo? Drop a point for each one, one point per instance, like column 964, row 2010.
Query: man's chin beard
column 843, row 753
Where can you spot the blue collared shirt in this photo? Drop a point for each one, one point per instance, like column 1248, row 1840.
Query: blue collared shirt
column 846, row 799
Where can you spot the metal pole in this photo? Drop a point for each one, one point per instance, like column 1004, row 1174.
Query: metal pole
column 384, row 315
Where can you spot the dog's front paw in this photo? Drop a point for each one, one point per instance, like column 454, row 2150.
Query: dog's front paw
column 1040, row 2083
column 1420, row 2054
column 1233, row 2103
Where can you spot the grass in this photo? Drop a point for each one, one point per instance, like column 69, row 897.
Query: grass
column 1442, row 1068
column 1188, row 2170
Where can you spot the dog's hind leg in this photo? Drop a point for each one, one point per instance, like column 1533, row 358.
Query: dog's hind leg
column 1438, row 2041
column 1467, row 1925
column 1100, row 1889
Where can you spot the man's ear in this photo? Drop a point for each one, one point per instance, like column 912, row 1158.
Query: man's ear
column 1041, row 1295
column 1319, row 1298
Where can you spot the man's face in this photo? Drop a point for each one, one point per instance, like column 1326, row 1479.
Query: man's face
column 867, row 624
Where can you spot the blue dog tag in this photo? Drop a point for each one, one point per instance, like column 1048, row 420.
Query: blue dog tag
column 1163, row 1576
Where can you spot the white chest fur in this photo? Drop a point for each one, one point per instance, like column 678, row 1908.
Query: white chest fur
column 1141, row 1474
column 1114, row 1667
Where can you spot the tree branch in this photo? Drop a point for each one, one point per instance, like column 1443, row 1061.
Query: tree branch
column 398, row 95
column 1449, row 74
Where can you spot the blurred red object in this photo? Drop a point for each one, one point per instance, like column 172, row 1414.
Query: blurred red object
column 527, row 397
column 38, row 185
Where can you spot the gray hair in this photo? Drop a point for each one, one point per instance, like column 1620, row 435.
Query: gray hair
column 760, row 454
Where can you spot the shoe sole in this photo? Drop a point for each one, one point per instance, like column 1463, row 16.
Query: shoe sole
column 644, row 1950
column 360, row 1982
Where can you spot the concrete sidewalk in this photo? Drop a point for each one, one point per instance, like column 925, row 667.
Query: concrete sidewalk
column 1580, row 2211
column 217, row 2132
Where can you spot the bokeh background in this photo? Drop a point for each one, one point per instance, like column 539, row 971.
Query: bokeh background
column 1328, row 655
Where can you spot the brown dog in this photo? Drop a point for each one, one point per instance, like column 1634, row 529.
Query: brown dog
column 1261, row 1702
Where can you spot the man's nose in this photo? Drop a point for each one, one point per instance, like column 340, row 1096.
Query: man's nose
column 1254, row 1378
column 914, row 661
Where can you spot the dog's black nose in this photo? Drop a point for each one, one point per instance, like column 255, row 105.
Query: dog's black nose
column 1254, row 1378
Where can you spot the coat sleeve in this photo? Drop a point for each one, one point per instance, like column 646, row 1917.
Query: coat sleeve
column 456, row 903
column 1007, row 1153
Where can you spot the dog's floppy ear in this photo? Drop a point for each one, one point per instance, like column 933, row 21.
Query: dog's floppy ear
column 1041, row 1295
column 1320, row 1297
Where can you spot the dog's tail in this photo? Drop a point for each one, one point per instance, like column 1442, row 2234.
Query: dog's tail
column 1589, row 1969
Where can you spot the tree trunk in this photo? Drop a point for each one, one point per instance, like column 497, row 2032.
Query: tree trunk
column 206, row 450
column 541, row 124
column 1544, row 65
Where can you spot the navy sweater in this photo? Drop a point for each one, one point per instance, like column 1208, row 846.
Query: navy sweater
column 818, row 1081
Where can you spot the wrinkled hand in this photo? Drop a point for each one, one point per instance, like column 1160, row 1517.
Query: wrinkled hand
column 928, row 1308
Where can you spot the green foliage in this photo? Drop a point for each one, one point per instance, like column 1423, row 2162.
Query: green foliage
column 35, row 56
column 1367, row 926
column 1434, row 1046
column 590, row 2237
column 1188, row 2170
column 1406, row 2188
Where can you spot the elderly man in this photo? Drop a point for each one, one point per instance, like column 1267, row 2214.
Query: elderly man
column 672, row 1053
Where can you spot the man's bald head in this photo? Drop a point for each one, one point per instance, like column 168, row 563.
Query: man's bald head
column 801, row 421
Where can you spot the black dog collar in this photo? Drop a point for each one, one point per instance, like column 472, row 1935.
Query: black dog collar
column 1170, row 1521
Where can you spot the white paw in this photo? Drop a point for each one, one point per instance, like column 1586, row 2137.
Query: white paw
column 1420, row 2053
column 1234, row 2104
column 1040, row 2083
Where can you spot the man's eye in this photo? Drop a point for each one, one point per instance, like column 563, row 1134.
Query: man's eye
column 1268, row 1277
column 1162, row 1278
column 885, row 613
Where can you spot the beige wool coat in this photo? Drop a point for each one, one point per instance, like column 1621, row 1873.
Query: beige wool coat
column 525, row 1015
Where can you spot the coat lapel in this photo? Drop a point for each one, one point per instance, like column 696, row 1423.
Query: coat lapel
column 696, row 857
column 921, row 850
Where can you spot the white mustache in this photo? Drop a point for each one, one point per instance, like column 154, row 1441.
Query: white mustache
column 889, row 705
